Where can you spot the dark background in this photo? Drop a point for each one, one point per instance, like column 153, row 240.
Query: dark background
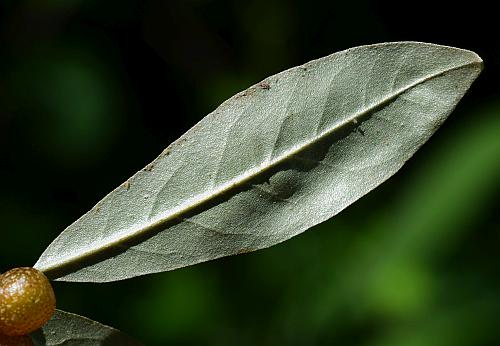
column 90, row 91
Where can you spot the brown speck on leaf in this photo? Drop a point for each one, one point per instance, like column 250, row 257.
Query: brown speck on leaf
column 126, row 185
column 264, row 85
column 149, row 167
column 241, row 94
column 245, row 250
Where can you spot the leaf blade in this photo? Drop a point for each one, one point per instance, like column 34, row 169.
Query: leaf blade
column 257, row 159
column 69, row 329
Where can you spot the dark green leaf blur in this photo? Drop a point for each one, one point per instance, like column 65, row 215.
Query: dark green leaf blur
column 91, row 91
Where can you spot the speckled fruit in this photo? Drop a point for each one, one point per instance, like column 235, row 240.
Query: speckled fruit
column 27, row 301
column 15, row 340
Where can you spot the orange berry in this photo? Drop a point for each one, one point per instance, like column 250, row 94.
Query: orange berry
column 15, row 340
column 27, row 301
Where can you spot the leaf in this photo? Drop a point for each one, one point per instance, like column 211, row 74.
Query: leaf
column 270, row 162
column 69, row 329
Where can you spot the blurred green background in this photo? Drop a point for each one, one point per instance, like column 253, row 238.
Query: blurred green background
column 90, row 91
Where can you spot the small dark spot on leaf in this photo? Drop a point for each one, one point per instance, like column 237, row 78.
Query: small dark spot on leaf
column 264, row 85
column 149, row 167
